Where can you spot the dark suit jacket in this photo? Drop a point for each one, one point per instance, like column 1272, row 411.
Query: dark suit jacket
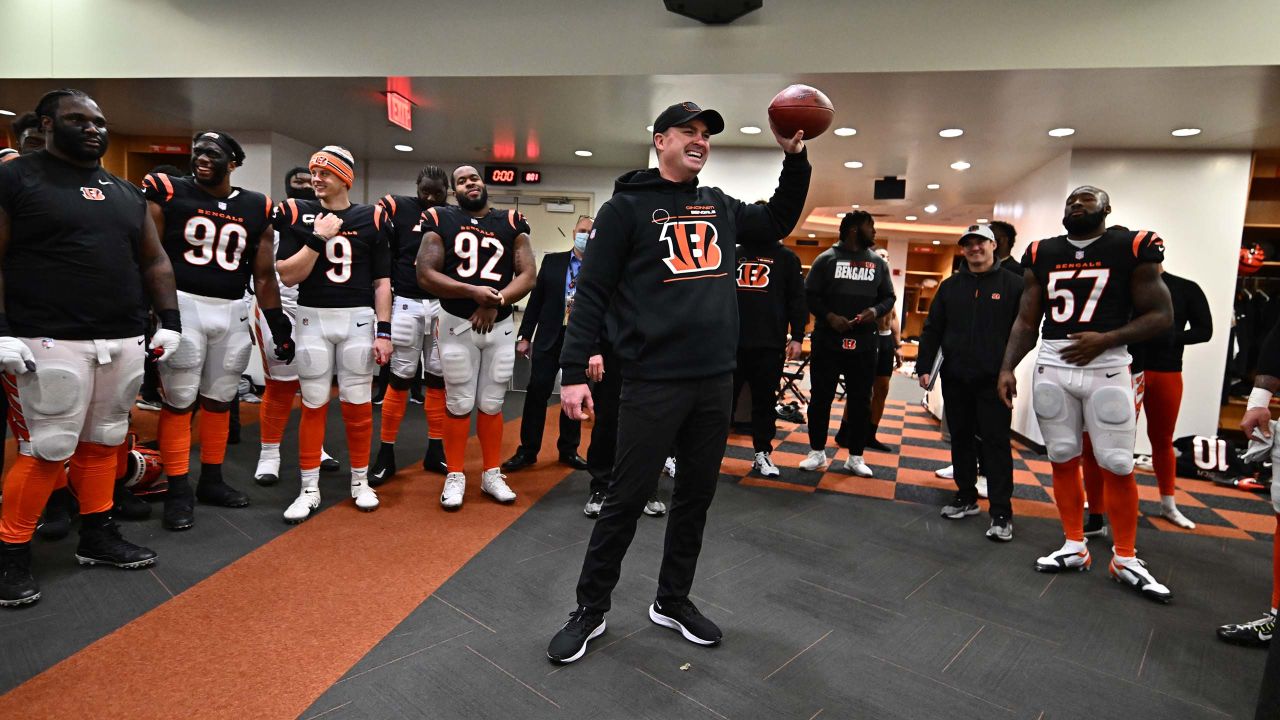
column 545, row 311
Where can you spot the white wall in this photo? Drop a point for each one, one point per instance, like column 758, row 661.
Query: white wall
column 380, row 177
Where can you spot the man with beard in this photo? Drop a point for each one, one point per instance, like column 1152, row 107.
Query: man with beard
column 78, row 355
column 338, row 254
column 848, row 290
column 1006, row 237
column 217, row 237
column 413, row 320
column 281, row 377
column 479, row 262
column 1103, row 292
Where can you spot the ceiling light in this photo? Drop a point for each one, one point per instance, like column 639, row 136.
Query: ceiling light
column 1185, row 132
column 749, row 130
column 8, row 113
column 960, row 165
column 840, row 215
column 912, row 218
column 931, row 208
column 853, row 164
column 983, row 221
column 812, row 235
column 937, row 242
column 845, row 132
column 582, row 153
column 855, row 206
column 950, row 133
column 932, row 186
column 1062, row 132
column 404, row 148
column 649, row 128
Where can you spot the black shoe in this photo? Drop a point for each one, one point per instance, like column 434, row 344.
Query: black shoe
column 1257, row 633
column 571, row 642
column 56, row 522
column 575, row 461
column 101, row 544
column 17, row 584
column 179, row 505
column 683, row 617
column 874, row 444
column 330, row 465
column 213, row 490
column 433, row 461
column 594, row 504
column 519, row 461
column 416, row 395
column 384, row 467
column 266, row 479
column 128, row 506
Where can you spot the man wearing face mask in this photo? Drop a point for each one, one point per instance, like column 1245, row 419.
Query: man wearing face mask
column 542, row 334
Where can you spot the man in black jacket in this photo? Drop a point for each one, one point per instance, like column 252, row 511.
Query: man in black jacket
column 661, row 262
column 542, row 332
column 969, row 321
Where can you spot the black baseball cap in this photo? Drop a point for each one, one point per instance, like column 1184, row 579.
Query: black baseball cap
column 685, row 112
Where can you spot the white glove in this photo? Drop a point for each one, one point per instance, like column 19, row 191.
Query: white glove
column 15, row 356
column 164, row 344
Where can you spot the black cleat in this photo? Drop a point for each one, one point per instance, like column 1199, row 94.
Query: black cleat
column 570, row 643
column 384, row 466
column 128, row 506
column 213, row 490
column 433, row 461
column 519, row 461
column 330, row 465
column 266, row 479
column 179, row 505
column 1256, row 633
column 17, row 584
column 56, row 523
column 101, row 544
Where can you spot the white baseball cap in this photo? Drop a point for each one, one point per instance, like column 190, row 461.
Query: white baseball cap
column 982, row 231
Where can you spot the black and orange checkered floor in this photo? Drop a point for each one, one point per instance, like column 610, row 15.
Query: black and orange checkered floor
column 907, row 474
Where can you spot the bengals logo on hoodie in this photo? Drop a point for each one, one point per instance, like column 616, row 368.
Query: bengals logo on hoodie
column 693, row 243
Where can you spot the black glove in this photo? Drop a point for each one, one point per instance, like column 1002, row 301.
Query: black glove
column 281, row 334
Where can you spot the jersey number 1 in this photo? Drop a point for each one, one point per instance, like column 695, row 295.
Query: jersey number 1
column 210, row 243
column 1064, row 312
column 467, row 247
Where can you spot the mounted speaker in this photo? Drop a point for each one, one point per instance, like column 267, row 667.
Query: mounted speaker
column 713, row 12
column 891, row 188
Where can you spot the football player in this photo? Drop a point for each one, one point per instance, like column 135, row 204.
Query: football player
column 1098, row 290
column 78, row 356
column 338, row 255
column 413, row 317
column 479, row 262
column 217, row 236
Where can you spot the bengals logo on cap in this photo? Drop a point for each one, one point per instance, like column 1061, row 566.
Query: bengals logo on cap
column 92, row 193
column 753, row 275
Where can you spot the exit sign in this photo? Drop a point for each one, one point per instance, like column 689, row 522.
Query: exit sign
column 399, row 111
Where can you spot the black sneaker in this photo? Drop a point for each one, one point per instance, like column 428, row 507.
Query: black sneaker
column 330, row 465
column 213, row 490
column 384, row 466
column 1257, row 633
column 683, row 617
column 128, row 506
column 960, row 508
column 433, row 461
column 56, row 522
column 1001, row 530
column 101, row 544
column 594, row 504
column 17, row 584
column 874, row 444
column 179, row 504
column 570, row 643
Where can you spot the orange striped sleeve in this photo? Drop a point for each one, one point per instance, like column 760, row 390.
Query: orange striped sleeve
column 435, row 219
column 268, row 197
column 1035, row 247
column 511, row 218
column 389, row 203
column 1137, row 240
column 377, row 216
column 168, row 186
column 293, row 210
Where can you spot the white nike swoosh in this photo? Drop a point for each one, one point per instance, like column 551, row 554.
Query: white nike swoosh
column 105, row 182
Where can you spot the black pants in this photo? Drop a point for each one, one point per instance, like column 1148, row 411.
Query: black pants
column 542, row 380
column 974, row 411
column 694, row 414
column 859, row 370
column 605, row 395
column 761, row 368
column 1269, row 696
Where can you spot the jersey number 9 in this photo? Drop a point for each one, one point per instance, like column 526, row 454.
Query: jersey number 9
column 467, row 247
column 338, row 252
column 209, row 243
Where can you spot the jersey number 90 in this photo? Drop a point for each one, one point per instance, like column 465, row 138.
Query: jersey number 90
column 209, row 243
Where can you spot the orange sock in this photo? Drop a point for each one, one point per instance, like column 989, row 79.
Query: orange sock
column 277, row 403
column 435, row 413
column 93, row 476
column 1093, row 491
column 27, row 486
column 1162, row 401
column 1068, row 493
column 1122, row 499
column 175, row 442
column 311, row 436
column 214, row 427
column 489, row 428
column 1275, row 566
column 393, row 403
column 358, row 420
column 456, row 429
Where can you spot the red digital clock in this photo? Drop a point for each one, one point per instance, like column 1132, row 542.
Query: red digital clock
column 500, row 174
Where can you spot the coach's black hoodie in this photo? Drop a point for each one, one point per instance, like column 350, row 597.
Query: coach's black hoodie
column 662, row 254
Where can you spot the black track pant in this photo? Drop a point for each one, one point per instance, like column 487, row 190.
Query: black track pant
column 859, row 370
column 542, row 380
column 604, row 433
column 1269, row 696
column 694, row 414
column 974, row 411
column 761, row 368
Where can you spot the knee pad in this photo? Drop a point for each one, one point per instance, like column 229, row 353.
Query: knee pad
column 110, row 425
column 460, row 399
column 1114, row 460
column 55, row 390
column 312, row 359
column 315, row 391
column 54, row 441
column 1061, row 437
column 1049, row 401
column 404, row 360
column 492, row 390
column 355, row 372
column 1112, row 407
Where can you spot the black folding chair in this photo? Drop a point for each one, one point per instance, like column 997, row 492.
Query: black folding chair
column 791, row 379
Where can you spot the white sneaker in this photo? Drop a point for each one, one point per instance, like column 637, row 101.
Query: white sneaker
column 669, row 467
column 494, row 483
column 764, row 465
column 856, row 465
column 301, row 508
column 1143, row 462
column 655, row 507
column 1175, row 516
column 1133, row 572
column 948, row 472
column 455, row 484
column 816, row 460
column 1066, row 558
column 268, row 471
column 981, row 484
column 366, row 497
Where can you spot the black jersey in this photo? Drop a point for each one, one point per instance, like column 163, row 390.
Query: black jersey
column 1212, row 458
column 405, row 212
column 211, row 241
column 71, row 269
column 1087, row 289
column 353, row 259
column 477, row 250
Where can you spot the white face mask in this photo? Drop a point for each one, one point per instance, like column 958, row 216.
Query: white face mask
column 580, row 241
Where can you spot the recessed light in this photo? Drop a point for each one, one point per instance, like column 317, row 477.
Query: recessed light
column 845, row 132
column 937, row 242
column 912, row 218
column 950, row 132
column 8, row 113
column 749, row 130
column 582, row 153
column 404, row 148
column 931, row 209
column 1062, row 132
column 853, row 164
column 855, row 206
column 812, row 235
column 960, row 165
column 983, row 221
column 649, row 128
column 932, row 186
column 1185, row 132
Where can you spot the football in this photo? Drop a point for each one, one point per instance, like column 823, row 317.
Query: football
column 801, row 107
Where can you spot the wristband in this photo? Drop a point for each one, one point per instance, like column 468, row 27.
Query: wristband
column 170, row 320
column 317, row 242
column 1259, row 398
column 384, row 330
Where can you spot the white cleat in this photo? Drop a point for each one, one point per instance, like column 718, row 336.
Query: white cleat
column 946, row 473
column 856, row 465
column 816, row 460
column 1133, row 572
column 366, row 497
column 494, row 484
column 669, row 467
column 1175, row 516
column 1065, row 558
column 302, row 507
column 455, row 484
column 764, row 465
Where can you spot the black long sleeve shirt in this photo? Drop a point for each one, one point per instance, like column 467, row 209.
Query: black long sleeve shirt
column 847, row 281
column 770, row 298
column 1192, row 324
column 970, row 320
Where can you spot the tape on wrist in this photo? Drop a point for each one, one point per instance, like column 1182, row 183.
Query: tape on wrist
column 1259, row 398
